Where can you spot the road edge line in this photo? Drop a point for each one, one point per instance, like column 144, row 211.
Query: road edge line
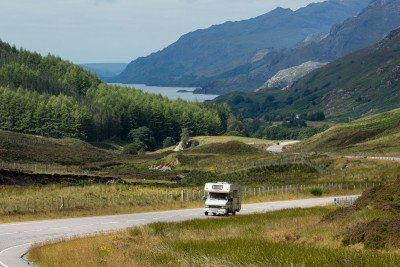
column 7, row 249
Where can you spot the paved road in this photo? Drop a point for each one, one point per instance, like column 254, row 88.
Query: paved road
column 16, row 238
column 279, row 148
column 374, row 158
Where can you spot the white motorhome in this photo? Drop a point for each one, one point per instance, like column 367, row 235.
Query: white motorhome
column 222, row 198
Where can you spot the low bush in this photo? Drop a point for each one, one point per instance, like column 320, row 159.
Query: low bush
column 316, row 192
column 379, row 233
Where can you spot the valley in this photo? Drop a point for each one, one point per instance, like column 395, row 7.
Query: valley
column 296, row 110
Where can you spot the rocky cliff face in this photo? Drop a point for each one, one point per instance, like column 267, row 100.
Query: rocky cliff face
column 286, row 77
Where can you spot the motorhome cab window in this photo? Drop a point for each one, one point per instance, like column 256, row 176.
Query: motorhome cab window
column 218, row 196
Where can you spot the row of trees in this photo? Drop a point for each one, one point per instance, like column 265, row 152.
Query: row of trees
column 117, row 111
column 106, row 112
column 43, row 114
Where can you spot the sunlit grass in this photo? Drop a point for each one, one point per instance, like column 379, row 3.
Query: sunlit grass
column 290, row 237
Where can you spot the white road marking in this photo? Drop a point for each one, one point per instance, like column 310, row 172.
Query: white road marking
column 7, row 249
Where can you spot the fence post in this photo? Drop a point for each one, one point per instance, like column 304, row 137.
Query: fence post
column 62, row 203
column 182, row 195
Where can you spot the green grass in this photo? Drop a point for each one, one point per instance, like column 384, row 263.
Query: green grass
column 15, row 147
column 289, row 237
column 375, row 135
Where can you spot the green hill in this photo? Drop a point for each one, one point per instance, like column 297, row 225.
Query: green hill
column 375, row 135
column 23, row 148
column 50, row 74
column 51, row 97
column 365, row 82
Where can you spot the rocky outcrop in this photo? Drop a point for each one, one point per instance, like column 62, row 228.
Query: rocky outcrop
column 285, row 78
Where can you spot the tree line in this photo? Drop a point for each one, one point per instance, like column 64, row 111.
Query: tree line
column 105, row 112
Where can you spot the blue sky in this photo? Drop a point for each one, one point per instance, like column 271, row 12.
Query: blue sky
column 86, row 31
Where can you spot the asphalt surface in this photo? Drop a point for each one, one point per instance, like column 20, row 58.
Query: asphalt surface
column 17, row 238
column 278, row 148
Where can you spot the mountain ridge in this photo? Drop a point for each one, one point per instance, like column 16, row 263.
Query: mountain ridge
column 203, row 53
column 370, row 26
column 362, row 83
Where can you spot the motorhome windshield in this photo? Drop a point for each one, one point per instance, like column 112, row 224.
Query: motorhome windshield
column 219, row 196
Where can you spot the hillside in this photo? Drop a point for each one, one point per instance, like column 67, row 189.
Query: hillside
column 51, row 97
column 23, row 148
column 201, row 54
column 375, row 135
column 50, row 74
column 105, row 71
column 368, row 27
column 362, row 83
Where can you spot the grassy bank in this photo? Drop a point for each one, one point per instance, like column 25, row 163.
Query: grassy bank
column 289, row 237
column 376, row 135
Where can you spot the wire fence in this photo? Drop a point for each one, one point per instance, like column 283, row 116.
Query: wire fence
column 140, row 198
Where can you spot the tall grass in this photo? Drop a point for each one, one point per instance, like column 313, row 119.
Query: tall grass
column 290, row 237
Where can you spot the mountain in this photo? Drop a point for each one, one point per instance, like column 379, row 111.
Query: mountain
column 364, row 82
column 378, row 135
column 200, row 55
column 371, row 25
column 105, row 71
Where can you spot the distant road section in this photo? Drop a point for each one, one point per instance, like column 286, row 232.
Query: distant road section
column 16, row 238
column 374, row 158
column 278, row 148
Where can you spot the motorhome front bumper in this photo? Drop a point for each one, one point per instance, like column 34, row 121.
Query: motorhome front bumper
column 216, row 211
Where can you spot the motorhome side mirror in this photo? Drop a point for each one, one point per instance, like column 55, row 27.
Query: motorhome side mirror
column 205, row 198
